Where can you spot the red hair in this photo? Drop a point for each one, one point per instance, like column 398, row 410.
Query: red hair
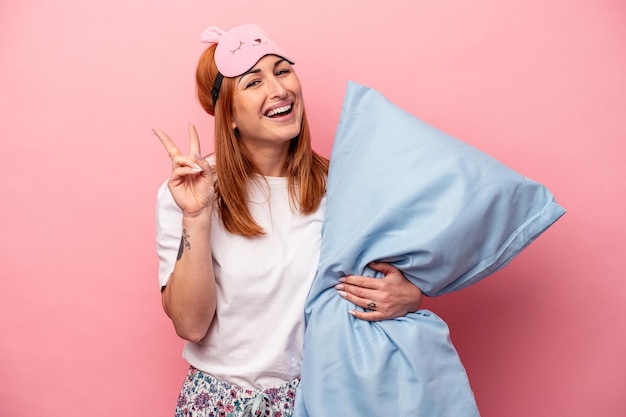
column 306, row 171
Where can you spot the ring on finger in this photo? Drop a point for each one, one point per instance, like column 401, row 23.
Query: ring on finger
column 371, row 306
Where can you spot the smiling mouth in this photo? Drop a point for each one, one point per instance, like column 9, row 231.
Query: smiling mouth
column 279, row 111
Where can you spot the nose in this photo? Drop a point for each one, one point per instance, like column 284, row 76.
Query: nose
column 276, row 88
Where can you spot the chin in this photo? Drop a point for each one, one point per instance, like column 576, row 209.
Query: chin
column 294, row 132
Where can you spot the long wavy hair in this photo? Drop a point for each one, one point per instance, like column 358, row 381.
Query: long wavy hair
column 306, row 171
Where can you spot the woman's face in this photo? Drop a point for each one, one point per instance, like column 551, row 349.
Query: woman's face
column 267, row 104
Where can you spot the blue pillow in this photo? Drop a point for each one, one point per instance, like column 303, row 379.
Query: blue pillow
column 444, row 213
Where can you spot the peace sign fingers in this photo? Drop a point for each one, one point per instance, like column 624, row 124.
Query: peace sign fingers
column 168, row 144
column 191, row 181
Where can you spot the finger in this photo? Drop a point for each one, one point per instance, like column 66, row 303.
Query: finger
column 383, row 267
column 180, row 161
column 183, row 171
column 364, row 302
column 170, row 146
column 194, row 142
column 360, row 281
column 367, row 315
column 355, row 291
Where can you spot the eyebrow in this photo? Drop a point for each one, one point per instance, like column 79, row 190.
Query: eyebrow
column 253, row 70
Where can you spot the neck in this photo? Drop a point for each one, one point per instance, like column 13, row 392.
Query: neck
column 271, row 162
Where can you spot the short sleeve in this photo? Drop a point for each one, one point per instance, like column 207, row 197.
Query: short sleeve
column 169, row 219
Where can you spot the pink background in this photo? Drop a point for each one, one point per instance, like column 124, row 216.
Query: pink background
column 541, row 85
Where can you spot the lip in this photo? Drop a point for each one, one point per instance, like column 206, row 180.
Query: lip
column 278, row 105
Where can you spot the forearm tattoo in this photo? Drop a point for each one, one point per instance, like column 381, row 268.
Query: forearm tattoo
column 184, row 243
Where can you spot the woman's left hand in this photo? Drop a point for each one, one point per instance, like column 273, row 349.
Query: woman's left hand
column 382, row 298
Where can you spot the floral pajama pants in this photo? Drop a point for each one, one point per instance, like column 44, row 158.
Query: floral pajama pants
column 203, row 395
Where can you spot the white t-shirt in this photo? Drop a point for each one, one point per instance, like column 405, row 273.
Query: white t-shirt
column 256, row 338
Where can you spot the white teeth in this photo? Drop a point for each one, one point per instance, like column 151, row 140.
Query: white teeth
column 278, row 110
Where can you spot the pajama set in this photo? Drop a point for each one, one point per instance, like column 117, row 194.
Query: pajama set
column 250, row 359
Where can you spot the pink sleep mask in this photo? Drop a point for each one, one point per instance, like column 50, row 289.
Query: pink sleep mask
column 239, row 48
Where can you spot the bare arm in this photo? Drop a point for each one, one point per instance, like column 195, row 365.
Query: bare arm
column 189, row 296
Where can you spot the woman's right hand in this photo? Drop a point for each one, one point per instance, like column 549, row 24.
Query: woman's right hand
column 191, row 180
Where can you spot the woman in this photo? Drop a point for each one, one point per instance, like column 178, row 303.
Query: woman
column 255, row 209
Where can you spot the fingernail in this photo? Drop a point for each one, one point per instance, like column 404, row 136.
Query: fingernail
column 339, row 287
column 351, row 312
column 196, row 168
column 342, row 279
column 342, row 293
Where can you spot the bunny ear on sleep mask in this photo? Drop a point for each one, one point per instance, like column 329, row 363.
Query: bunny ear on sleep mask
column 212, row 34
column 444, row 213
